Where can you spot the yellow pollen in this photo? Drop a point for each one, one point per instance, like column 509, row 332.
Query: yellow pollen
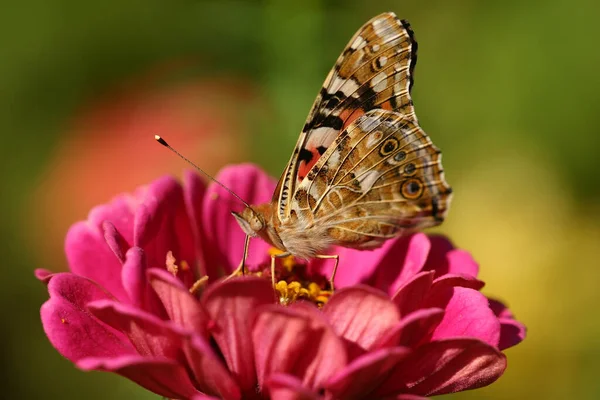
column 287, row 262
column 198, row 284
column 184, row 265
column 293, row 291
column 214, row 196
column 63, row 321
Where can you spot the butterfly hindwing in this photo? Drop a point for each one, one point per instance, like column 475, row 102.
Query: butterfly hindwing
column 381, row 177
column 373, row 72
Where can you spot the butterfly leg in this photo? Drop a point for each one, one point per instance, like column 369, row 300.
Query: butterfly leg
column 273, row 257
column 337, row 260
column 242, row 267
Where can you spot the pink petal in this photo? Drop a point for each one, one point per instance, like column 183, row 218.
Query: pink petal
column 444, row 259
column 115, row 241
column 467, row 314
column 361, row 314
column 212, row 376
column 133, row 276
column 447, row 366
column 194, row 191
column 287, row 387
column 88, row 255
column 224, row 235
column 162, row 225
column 410, row 296
column 297, row 341
column 230, row 305
column 445, row 282
column 512, row 332
column 365, row 373
column 73, row 331
column 181, row 307
column 163, row 377
column 403, row 258
column 43, row 275
column 150, row 336
column 413, row 329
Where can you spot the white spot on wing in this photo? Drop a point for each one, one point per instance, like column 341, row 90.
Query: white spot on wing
column 334, row 159
column 348, row 86
column 381, row 27
column 322, row 136
column 373, row 139
column 367, row 179
column 359, row 41
column 369, row 123
column 379, row 82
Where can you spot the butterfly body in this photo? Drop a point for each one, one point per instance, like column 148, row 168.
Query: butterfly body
column 363, row 171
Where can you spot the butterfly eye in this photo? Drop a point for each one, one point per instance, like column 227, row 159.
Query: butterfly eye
column 388, row 146
column 412, row 189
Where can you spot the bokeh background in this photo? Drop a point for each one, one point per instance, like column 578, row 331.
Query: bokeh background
column 509, row 90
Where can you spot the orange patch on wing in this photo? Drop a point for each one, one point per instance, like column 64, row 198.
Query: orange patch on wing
column 349, row 115
column 304, row 168
column 386, row 105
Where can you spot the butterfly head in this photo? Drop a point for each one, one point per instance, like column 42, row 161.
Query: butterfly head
column 251, row 222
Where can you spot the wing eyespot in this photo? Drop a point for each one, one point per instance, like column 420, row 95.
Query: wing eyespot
column 412, row 189
column 388, row 147
column 410, row 169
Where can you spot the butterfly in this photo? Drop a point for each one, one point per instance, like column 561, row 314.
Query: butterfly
column 363, row 171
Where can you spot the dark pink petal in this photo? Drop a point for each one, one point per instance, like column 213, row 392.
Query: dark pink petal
column 413, row 329
column 297, row 341
column 361, row 314
column 447, row 366
column 88, row 255
column 365, row 373
column 163, row 377
column 230, row 305
column 162, row 225
column 226, row 238
column 43, row 275
column 287, row 387
column 194, row 191
column 119, row 211
column 467, row 314
column 445, row 282
column 403, row 258
column 181, row 307
column 133, row 276
column 411, row 295
column 406, row 397
column 212, row 376
column 512, row 332
column 150, row 336
column 445, row 259
column 72, row 330
column 115, row 241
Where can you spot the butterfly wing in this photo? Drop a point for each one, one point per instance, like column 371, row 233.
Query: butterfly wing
column 380, row 178
column 373, row 72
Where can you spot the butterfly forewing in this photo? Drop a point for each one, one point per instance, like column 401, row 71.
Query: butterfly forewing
column 373, row 72
column 381, row 177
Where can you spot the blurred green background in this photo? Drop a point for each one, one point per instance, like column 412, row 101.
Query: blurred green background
column 509, row 90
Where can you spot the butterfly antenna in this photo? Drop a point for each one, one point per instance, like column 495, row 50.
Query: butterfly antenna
column 164, row 143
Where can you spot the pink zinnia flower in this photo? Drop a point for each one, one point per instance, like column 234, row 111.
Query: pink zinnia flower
column 406, row 320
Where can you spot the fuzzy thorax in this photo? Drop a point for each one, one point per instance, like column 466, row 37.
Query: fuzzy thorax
column 292, row 236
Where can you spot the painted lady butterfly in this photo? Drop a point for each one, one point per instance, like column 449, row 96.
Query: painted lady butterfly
column 363, row 171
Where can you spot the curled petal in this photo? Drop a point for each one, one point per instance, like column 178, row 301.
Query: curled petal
column 150, row 336
column 287, row 387
column 361, row 314
column 404, row 258
column 89, row 256
column 116, row 242
column 512, row 332
column 43, row 275
column 163, row 377
column 210, row 373
column 73, row 331
column 181, row 307
column 413, row 329
column 410, row 296
column 194, row 192
column 296, row 341
column 445, row 282
column 467, row 314
column 230, row 305
column 445, row 259
column 365, row 373
column 446, row 366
